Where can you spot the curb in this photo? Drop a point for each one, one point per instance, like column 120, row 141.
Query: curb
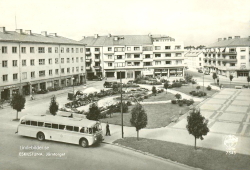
column 152, row 155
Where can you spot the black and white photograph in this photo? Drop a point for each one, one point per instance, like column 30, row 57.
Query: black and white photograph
column 124, row 85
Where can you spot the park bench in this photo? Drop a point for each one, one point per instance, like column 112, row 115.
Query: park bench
column 238, row 87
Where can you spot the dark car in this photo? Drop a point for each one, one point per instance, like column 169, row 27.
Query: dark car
column 109, row 84
column 95, row 78
column 200, row 71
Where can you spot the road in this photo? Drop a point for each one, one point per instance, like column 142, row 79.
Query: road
column 102, row 156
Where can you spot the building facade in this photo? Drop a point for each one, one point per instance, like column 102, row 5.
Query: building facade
column 194, row 59
column 228, row 56
column 131, row 55
column 30, row 62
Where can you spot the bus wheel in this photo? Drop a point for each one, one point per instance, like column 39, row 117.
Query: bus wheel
column 40, row 136
column 84, row 143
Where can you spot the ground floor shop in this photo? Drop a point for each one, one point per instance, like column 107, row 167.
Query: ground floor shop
column 150, row 72
column 227, row 73
column 27, row 88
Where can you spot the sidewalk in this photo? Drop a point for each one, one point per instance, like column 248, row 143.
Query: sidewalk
column 169, row 134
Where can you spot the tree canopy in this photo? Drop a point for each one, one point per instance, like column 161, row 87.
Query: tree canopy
column 139, row 118
column 18, row 103
column 197, row 124
column 94, row 112
column 53, row 108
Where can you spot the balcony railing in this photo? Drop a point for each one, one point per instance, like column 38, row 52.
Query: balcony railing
column 87, row 52
column 229, row 53
column 97, row 67
column 230, row 60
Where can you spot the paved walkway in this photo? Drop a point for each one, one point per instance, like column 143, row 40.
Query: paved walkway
column 228, row 113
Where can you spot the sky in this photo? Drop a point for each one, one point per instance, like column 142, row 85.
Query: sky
column 195, row 22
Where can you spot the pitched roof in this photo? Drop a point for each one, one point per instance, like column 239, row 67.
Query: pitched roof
column 35, row 38
column 238, row 42
column 122, row 40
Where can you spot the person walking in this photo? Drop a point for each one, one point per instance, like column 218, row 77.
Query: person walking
column 218, row 81
column 107, row 130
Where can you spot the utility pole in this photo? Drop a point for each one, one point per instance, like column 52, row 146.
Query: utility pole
column 203, row 80
column 121, row 101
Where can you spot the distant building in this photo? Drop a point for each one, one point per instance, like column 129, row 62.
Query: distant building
column 228, row 56
column 133, row 55
column 31, row 61
column 194, row 59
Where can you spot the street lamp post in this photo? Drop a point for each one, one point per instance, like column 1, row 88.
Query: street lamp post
column 121, row 101
column 203, row 80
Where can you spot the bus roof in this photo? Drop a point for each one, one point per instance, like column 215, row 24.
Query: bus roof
column 60, row 120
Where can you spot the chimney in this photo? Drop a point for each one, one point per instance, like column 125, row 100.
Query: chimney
column 219, row 39
column 2, row 29
column 96, row 35
column 229, row 38
column 109, row 35
column 225, row 38
column 20, row 31
column 236, row 37
column 28, row 32
column 53, row 34
column 83, row 37
column 115, row 38
column 44, row 33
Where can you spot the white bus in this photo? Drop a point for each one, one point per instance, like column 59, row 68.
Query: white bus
column 69, row 130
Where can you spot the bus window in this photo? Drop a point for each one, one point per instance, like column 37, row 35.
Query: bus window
column 55, row 126
column 82, row 130
column 76, row 129
column 48, row 125
column 61, row 127
column 70, row 128
column 23, row 122
column 90, row 130
column 27, row 122
column 40, row 123
column 33, row 123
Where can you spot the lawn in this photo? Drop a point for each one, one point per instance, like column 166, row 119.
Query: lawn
column 158, row 115
column 189, row 88
column 203, row 158
column 160, row 97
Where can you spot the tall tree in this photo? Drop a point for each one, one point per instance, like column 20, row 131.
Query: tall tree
column 231, row 78
column 18, row 103
column 197, row 125
column 94, row 112
column 248, row 80
column 214, row 76
column 154, row 90
column 53, row 108
column 139, row 118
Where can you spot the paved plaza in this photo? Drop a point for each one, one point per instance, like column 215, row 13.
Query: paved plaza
column 228, row 112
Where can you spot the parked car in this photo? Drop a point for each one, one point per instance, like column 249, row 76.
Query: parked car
column 200, row 71
column 109, row 84
column 207, row 73
column 95, row 78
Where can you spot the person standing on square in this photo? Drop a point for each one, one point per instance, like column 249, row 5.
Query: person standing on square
column 107, row 130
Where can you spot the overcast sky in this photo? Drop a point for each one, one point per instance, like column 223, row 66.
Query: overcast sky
column 193, row 21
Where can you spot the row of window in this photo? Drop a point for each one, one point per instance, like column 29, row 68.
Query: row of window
column 119, row 57
column 60, row 126
column 177, row 62
column 42, row 50
column 119, row 49
column 234, row 50
column 40, row 61
column 42, row 73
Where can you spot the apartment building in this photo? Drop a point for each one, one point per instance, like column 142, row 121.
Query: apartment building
column 228, row 56
column 194, row 59
column 131, row 55
column 30, row 61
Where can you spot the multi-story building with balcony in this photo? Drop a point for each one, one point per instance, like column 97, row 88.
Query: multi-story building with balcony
column 131, row 55
column 30, row 61
column 228, row 56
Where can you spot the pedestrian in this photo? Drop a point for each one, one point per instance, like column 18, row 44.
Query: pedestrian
column 218, row 81
column 221, row 86
column 107, row 130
